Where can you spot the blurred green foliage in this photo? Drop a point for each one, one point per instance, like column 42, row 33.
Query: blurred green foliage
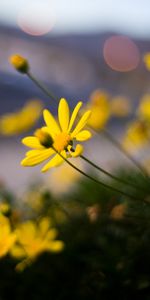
column 107, row 251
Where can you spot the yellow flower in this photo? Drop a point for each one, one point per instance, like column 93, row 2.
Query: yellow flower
column 33, row 239
column 56, row 137
column 7, row 237
column 100, row 109
column 21, row 121
column 19, row 63
column 118, row 211
column 120, row 106
column 146, row 60
column 144, row 108
column 137, row 135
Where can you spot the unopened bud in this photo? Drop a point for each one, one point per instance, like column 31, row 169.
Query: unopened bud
column 19, row 63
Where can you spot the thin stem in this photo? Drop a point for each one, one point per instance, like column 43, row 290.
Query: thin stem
column 41, row 86
column 95, row 180
column 109, row 174
column 123, row 150
column 57, row 204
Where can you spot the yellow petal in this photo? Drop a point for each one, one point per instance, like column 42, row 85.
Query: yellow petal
column 55, row 161
column 44, row 226
column 83, row 135
column 74, row 115
column 63, row 114
column 35, row 159
column 34, row 153
column 32, row 142
column 26, row 232
column 81, row 123
column 52, row 234
column 17, row 251
column 51, row 123
column 56, row 246
column 78, row 150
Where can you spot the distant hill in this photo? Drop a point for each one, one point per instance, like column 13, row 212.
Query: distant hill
column 71, row 65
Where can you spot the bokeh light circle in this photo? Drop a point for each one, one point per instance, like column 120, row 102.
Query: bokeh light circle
column 36, row 19
column 121, row 53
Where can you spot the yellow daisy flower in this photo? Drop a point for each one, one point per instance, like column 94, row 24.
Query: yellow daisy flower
column 100, row 109
column 137, row 135
column 56, row 137
column 34, row 239
column 22, row 120
column 7, row 237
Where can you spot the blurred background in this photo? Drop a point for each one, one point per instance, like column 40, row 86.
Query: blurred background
column 74, row 47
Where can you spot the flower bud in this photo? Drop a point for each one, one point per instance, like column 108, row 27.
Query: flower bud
column 19, row 63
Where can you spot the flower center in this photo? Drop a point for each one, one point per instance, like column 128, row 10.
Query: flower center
column 61, row 141
column 44, row 138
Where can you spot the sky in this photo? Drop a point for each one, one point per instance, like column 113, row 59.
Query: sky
column 125, row 16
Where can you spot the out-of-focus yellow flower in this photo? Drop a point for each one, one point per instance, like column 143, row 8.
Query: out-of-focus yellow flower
column 137, row 135
column 100, row 109
column 7, row 237
column 21, row 121
column 146, row 60
column 56, row 137
column 63, row 179
column 33, row 239
column 19, row 63
column 143, row 110
column 120, row 106
column 118, row 211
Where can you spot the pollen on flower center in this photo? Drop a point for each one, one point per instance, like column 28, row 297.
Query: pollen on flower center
column 61, row 141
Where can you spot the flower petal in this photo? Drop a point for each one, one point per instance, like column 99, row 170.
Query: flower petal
column 83, row 135
column 77, row 152
column 52, row 234
column 81, row 123
column 32, row 142
column 44, row 226
column 51, row 123
column 36, row 158
column 17, row 252
column 63, row 114
column 55, row 246
column 55, row 161
column 33, row 153
column 74, row 115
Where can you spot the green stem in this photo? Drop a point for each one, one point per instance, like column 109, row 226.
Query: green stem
column 41, row 86
column 123, row 150
column 95, row 180
column 109, row 174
